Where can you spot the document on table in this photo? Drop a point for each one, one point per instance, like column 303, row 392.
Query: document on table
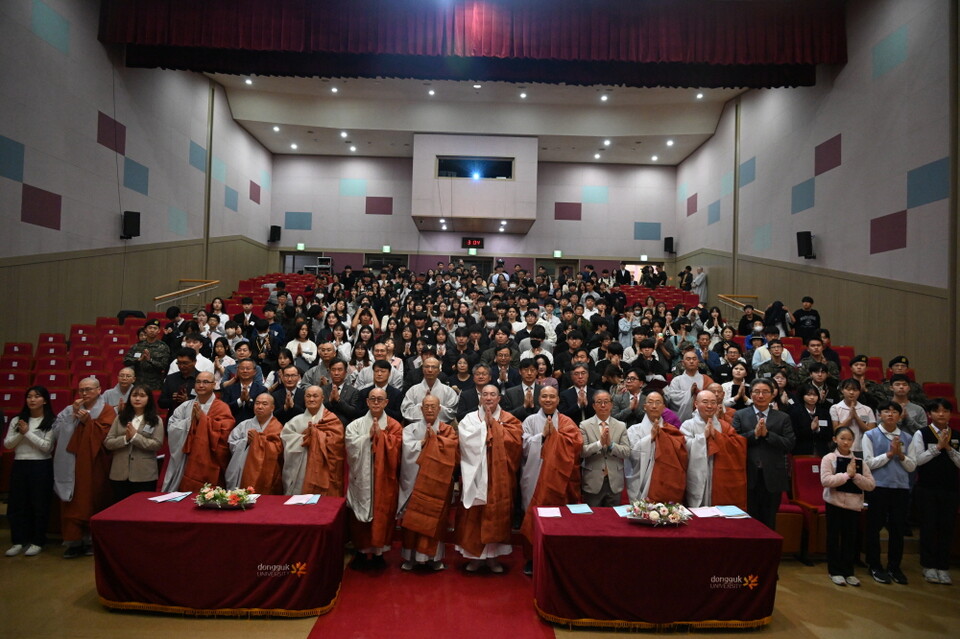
column 176, row 496
column 621, row 510
column 580, row 509
column 301, row 500
column 548, row 512
column 707, row 511
column 732, row 512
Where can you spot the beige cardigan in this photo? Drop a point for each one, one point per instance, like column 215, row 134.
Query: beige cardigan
column 136, row 461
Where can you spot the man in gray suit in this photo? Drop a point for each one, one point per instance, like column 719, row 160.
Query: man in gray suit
column 770, row 438
column 605, row 446
column 628, row 405
column 523, row 400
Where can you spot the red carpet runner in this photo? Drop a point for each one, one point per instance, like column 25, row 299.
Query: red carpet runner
column 397, row 604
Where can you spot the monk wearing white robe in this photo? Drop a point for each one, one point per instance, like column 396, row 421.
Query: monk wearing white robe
column 373, row 445
column 658, row 457
column 490, row 446
column 683, row 388
column 717, row 457
column 410, row 407
column 429, row 457
column 313, row 450
column 256, row 451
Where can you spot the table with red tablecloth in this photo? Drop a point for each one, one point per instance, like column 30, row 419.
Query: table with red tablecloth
column 270, row 559
column 601, row 570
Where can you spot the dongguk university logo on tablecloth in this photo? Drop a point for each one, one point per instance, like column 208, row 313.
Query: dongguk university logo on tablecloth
column 296, row 569
column 718, row 582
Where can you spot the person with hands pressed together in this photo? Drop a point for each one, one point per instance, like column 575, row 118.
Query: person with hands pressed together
column 150, row 357
column 717, row 455
column 256, row 451
column 885, row 451
column 683, row 388
column 770, row 438
column 135, row 437
column 658, row 456
column 81, row 465
column 851, row 413
column 313, row 449
column 605, row 446
column 844, row 478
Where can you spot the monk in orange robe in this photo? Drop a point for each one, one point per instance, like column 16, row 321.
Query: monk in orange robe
column 490, row 447
column 197, row 432
column 551, row 445
column 430, row 455
column 724, row 413
column 313, row 450
column 658, row 457
column 81, row 465
column 373, row 444
column 717, row 464
column 257, row 451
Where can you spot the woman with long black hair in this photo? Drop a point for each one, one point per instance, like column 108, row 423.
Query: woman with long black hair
column 135, row 437
column 31, row 437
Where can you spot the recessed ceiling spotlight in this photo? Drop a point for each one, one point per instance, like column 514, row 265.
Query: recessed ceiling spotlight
column 248, row 81
column 699, row 96
column 606, row 143
column 669, row 142
column 353, row 148
column 431, row 92
column 523, row 96
column 654, row 158
column 503, row 222
column 276, row 129
column 604, row 97
column 343, row 134
column 334, row 90
column 443, row 228
column 476, row 176
column 596, row 156
column 477, row 86
column 443, row 221
column 294, row 146
column 501, row 229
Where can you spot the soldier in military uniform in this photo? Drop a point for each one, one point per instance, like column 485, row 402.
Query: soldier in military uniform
column 898, row 366
column 150, row 358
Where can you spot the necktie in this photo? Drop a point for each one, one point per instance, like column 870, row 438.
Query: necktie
column 528, row 395
column 583, row 395
column 603, row 425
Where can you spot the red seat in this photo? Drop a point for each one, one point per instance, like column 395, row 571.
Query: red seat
column 15, row 378
column 873, row 374
column 51, row 348
column 912, row 374
column 938, row 389
column 107, row 321
column 79, row 351
column 115, row 352
column 849, row 351
column 81, row 329
column 52, row 363
column 15, row 363
column 790, row 520
column 60, row 398
column 808, row 494
column 12, row 398
column 18, row 348
column 52, row 379
column 52, row 338
column 84, row 365
column 122, row 339
column 875, row 362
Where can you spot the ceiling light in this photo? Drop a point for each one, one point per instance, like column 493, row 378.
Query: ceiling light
column 431, row 92
column 276, row 128
column 293, row 146
column 353, row 148
column 334, row 89
column 343, row 134
column 523, row 96
column 669, row 142
column 604, row 97
column 503, row 222
column 476, row 176
column 654, row 158
column 443, row 221
column 443, row 228
column 596, row 156
column 501, row 229
column 699, row 96
column 606, row 143
column 248, row 81
column 477, row 86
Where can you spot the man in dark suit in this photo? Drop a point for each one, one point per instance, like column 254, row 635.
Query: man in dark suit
column 470, row 397
column 523, row 400
column 622, row 276
column 770, row 438
column 246, row 319
column 240, row 395
column 288, row 397
column 577, row 401
column 340, row 398
column 504, row 374
column 381, row 379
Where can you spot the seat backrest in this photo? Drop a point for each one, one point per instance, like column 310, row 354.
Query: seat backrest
column 806, row 480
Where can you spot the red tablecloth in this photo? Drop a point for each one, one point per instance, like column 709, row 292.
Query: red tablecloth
column 602, row 570
column 175, row 557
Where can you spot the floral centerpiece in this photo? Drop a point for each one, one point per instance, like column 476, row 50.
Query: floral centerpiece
column 217, row 497
column 658, row 513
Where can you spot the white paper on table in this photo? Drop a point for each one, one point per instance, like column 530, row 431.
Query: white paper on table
column 314, row 499
column 621, row 510
column 732, row 512
column 580, row 509
column 706, row 511
column 297, row 500
column 175, row 496
column 548, row 512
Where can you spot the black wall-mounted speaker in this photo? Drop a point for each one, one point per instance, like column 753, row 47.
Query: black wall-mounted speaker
column 274, row 233
column 805, row 245
column 668, row 245
column 130, row 225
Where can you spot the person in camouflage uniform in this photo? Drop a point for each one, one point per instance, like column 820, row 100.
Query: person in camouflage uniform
column 150, row 358
column 899, row 366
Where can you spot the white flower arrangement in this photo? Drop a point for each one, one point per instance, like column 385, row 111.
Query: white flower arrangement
column 658, row 513
column 217, row 497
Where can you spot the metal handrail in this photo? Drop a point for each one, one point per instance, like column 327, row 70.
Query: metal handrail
column 179, row 294
column 733, row 299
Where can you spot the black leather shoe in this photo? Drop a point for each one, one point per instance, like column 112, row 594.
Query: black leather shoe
column 898, row 577
column 880, row 575
column 72, row 552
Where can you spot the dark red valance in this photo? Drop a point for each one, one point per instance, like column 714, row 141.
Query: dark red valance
column 762, row 33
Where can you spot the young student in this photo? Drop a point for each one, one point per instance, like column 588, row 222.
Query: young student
column 885, row 452
column 844, row 479
column 850, row 412
column 935, row 449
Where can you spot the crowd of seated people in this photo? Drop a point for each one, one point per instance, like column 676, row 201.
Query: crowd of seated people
column 570, row 385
